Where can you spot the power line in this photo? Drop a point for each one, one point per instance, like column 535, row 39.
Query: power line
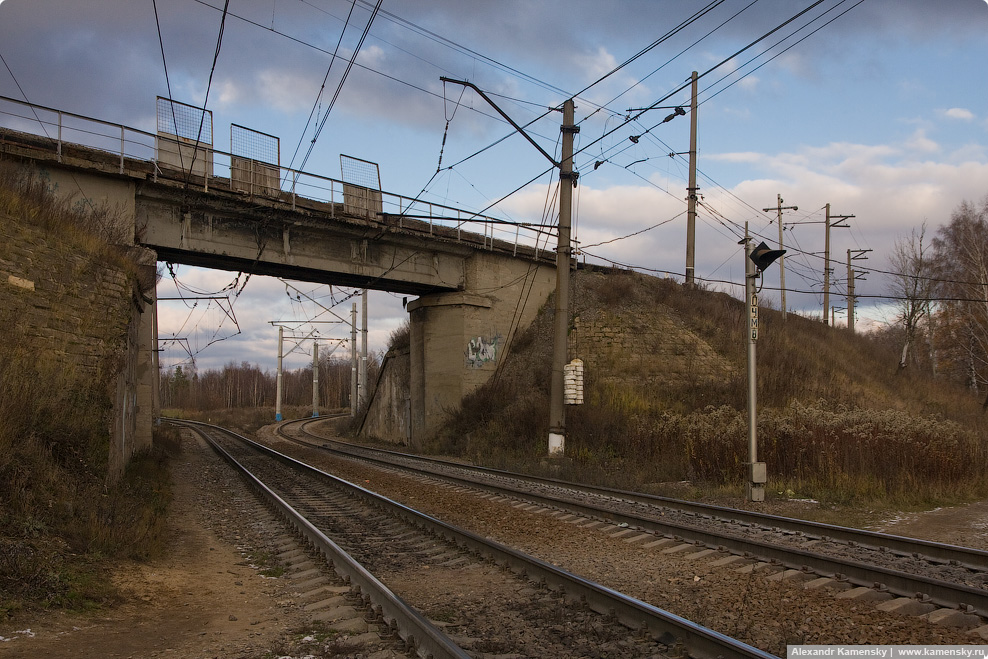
column 682, row 26
column 168, row 82
column 339, row 87
column 315, row 103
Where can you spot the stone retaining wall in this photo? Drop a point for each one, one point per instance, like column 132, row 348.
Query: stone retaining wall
column 62, row 303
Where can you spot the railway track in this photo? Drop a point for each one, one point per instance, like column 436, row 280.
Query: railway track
column 941, row 581
column 530, row 607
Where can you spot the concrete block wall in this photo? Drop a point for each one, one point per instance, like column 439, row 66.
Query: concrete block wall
column 388, row 416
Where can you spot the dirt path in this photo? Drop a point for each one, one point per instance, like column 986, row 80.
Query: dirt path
column 202, row 599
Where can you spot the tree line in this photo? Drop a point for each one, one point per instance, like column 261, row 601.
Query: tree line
column 246, row 385
column 940, row 285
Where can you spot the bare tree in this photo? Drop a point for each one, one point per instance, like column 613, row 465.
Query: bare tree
column 912, row 285
column 961, row 249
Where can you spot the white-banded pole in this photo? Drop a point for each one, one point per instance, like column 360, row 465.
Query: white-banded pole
column 277, row 402
column 353, row 360
column 362, row 386
column 755, row 486
column 752, row 300
column 315, row 378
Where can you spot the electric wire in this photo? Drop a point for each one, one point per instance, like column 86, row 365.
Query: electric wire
column 339, row 88
column 209, row 85
column 322, row 88
column 787, row 48
column 168, row 82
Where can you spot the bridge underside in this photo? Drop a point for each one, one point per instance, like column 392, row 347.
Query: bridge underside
column 226, row 231
column 469, row 288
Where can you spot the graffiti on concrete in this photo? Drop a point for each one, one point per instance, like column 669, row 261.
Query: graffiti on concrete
column 482, row 350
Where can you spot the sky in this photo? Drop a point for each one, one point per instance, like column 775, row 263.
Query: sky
column 877, row 107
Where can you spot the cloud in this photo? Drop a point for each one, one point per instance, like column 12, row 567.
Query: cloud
column 959, row 113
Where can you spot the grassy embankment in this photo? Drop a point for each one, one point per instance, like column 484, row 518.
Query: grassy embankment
column 62, row 520
column 837, row 422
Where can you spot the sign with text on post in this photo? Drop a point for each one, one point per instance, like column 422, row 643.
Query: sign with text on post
column 753, row 322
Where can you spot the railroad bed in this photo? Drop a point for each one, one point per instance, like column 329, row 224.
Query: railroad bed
column 762, row 602
column 476, row 598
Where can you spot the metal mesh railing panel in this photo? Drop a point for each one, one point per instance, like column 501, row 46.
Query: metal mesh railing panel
column 185, row 121
column 359, row 172
column 255, row 145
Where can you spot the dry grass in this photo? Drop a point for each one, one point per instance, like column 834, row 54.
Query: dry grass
column 59, row 517
column 837, row 421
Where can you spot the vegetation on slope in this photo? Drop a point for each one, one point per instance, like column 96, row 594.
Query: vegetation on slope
column 838, row 420
column 60, row 518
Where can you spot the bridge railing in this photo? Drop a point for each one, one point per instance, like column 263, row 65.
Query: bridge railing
column 61, row 129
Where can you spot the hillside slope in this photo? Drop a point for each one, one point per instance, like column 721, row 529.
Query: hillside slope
column 666, row 392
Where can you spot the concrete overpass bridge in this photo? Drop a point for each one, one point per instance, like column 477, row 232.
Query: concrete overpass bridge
column 467, row 271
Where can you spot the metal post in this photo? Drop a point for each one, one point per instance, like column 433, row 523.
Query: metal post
column 557, row 408
column 850, row 293
column 277, row 402
column 362, row 386
column 782, row 259
column 826, row 266
column 836, row 219
column 315, row 379
column 691, row 198
column 353, row 360
column 755, row 486
column 782, row 268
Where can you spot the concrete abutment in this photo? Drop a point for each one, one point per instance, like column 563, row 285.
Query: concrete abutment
column 458, row 339
column 474, row 293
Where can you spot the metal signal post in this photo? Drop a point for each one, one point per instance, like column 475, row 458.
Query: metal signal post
column 757, row 259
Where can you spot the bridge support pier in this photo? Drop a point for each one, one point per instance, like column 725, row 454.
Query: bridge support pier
column 453, row 351
column 457, row 339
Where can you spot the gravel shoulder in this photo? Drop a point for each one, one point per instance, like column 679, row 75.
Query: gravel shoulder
column 207, row 598
column 203, row 598
column 764, row 613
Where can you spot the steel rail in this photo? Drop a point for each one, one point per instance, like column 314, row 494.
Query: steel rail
column 903, row 584
column 699, row 641
column 417, row 632
column 975, row 559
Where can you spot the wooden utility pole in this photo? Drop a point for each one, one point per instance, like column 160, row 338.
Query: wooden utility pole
column 692, row 194
column 782, row 267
